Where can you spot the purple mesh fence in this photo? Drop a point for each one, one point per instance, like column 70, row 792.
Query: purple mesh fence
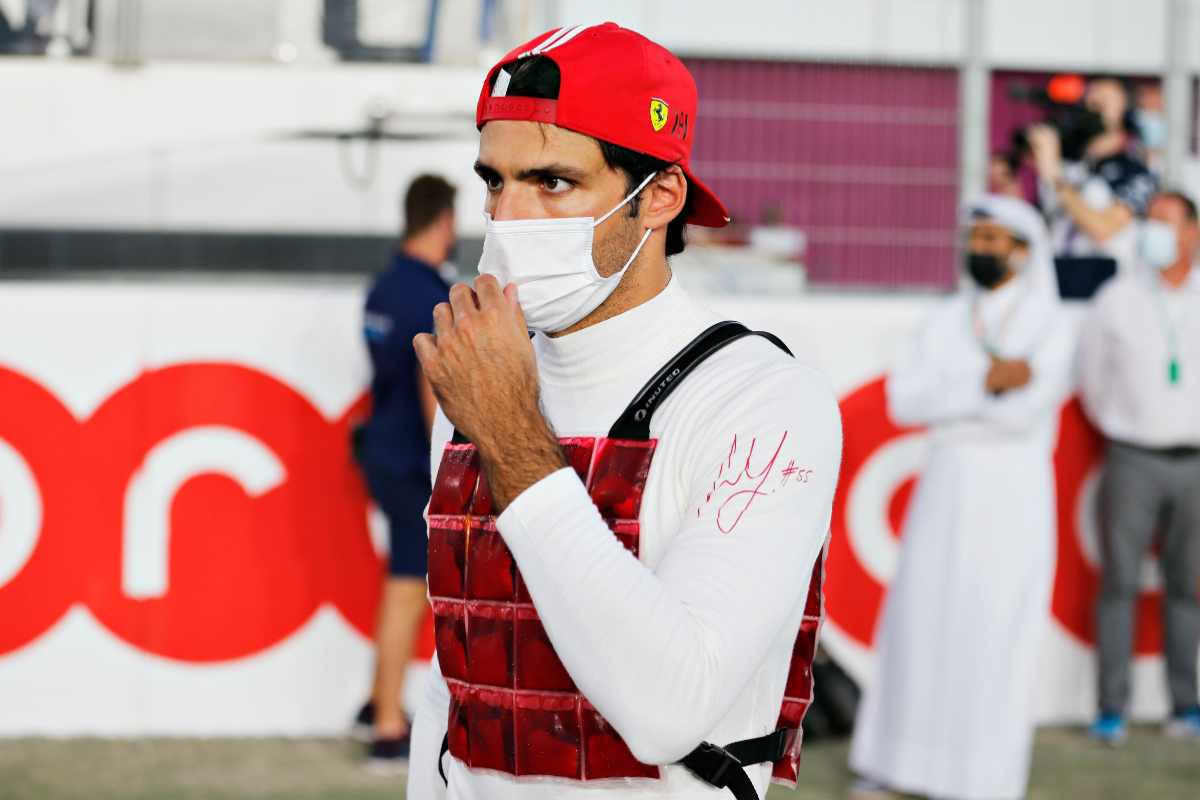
column 863, row 159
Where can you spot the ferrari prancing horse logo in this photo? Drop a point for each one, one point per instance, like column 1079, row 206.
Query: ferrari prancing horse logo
column 658, row 113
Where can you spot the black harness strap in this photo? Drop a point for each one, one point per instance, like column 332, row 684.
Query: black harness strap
column 722, row 767
column 634, row 422
column 771, row 747
column 716, row 766
column 442, row 754
column 725, row 767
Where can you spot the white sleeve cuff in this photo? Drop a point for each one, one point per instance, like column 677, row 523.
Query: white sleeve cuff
column 543, row 507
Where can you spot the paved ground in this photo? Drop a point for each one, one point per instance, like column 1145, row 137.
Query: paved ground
column 1067, row 767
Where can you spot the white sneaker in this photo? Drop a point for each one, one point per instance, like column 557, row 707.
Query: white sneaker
column 1184, row 726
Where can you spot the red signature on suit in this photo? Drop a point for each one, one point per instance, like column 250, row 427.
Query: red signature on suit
column 750, row 481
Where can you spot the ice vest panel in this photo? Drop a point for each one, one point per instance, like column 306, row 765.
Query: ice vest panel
column 798, row 692
column 513, row 706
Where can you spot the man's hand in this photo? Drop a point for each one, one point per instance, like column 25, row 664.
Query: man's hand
column 481, row 366
column 1007, row 374
column 1047, row 152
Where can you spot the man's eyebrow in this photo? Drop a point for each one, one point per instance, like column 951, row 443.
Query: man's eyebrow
column 484, row 171
column 535, row 173
column 552, row 171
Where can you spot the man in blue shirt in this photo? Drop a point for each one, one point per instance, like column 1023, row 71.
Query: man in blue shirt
column 394, row 445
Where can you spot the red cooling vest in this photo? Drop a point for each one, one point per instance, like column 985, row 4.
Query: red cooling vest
column 513, row 706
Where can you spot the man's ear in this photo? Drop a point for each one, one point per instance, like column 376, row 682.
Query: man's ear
column 663, row 198
column 1191, row 234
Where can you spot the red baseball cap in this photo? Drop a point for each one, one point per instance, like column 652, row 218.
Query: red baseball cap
column 615, row 85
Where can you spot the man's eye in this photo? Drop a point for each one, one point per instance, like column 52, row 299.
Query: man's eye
column 555, row 185
column 493, row 184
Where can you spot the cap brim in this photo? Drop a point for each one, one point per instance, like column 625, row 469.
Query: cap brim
column 707, row 210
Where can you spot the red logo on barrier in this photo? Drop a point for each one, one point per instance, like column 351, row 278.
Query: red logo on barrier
column 854, row 590
column 202, row 513
column 46, row 581
column 205, row 511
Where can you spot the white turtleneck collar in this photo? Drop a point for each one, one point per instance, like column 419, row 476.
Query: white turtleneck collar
column 638, row 341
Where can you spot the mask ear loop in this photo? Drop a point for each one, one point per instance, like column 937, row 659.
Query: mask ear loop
column 636, row 250
column 628, row 197
column 616, row 276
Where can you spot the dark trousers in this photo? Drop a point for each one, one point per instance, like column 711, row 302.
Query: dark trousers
column 1139, row 490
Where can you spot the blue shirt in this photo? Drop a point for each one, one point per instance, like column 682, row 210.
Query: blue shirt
column 399, row 306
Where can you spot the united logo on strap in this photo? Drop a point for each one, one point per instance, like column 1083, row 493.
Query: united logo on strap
column 658, row 113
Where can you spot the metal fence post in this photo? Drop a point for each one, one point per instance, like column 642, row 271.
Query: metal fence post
column 973, row 97
column 1177, row 90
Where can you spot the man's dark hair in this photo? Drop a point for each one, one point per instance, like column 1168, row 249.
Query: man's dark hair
column 427, row 198
column 1128, row 121
column 1189, row 205
column 539, row 77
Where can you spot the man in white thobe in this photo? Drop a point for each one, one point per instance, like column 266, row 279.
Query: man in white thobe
column 949, row 714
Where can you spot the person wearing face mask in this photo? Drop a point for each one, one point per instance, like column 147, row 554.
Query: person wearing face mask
column 1095, row 196
column 629, row 505
column 950, row 710
column 1140, row 385
column 1151, row 119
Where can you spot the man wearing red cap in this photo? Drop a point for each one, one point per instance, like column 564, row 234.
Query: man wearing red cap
column 625, row 587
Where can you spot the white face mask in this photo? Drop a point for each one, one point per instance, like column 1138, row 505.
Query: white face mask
column 1152, row 125
column 550, row 261
column 1157, row 244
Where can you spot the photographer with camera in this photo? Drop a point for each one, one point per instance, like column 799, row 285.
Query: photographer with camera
column 1091, row 188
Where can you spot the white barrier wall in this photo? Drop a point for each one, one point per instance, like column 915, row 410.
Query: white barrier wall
column 184, row 541
column 183, row 544
column 179, row 145
column 1100, row 35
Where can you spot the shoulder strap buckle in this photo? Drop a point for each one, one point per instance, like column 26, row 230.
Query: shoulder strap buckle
column 712, row 764
column 769, row 748
column 725, row 767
